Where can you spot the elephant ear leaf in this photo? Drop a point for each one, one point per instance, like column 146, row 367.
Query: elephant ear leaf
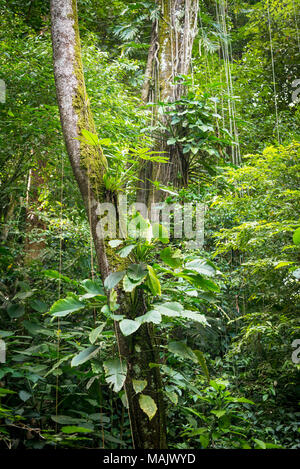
column 113, row 279
column 128, row 326
column 65, row 306
column 93, row 288
column 115, row 371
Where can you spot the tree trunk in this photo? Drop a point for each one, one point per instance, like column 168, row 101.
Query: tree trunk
column 89, row 165
column 169, row 56
column 7, row 217
column 35, row 226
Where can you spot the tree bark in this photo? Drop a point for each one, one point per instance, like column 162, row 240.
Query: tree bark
column 89, row 165
column 7, row 217
column 35, row 226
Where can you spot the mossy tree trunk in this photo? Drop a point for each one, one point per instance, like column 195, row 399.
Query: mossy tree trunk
column 169, row 56
column 89, row 165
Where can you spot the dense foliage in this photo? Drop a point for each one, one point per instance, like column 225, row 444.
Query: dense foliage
column 225, row 315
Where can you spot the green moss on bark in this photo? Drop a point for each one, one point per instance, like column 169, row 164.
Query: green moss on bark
column 92, row 157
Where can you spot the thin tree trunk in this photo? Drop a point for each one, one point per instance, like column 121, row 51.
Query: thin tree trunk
column 89, row 165
column 170, row 55
column 35, row 226
column 8, row 215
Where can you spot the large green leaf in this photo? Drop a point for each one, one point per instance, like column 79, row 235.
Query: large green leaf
column 198, row 281
column 128, row 326
column 139, row 385
column 182, row 350
column 39, row 306
column 172, row 396
column 124, row 252
column 218, row 384
column 84, row 355
column 148, row 405
column 154, row 283
column 4, row 334
column 114, row 243
column 259, row 444
column 240, row 399
column 22, row 295
column 73, row 429
column 89, row 138
column 64, row 419
column 296, row 236
column 171, row 258
column 56, row 275
column 201, row 266
column 136, row 272
column 194, row 316
column 172, row 140
column 65, row 306
column 218, row 412
column 171, row 309
column 115, row 371
column 204, row 440
column 24, row 395
column 175, row 310
column 15, row 311
column 93, row 288
column 4, row 392
column 129, row 285
column 283, row 264
column 113, row 279
column 150, row 316
column 94, row 334
column 36, row 328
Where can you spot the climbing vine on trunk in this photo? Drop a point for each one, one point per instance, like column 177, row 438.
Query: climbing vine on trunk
column 169, row 58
